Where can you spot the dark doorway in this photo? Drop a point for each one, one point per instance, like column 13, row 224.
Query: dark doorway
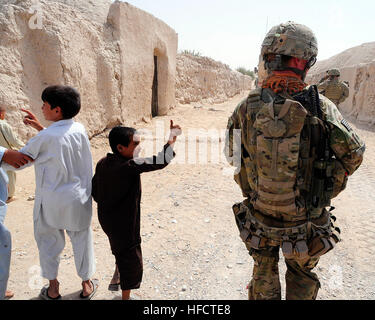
column 155, row 107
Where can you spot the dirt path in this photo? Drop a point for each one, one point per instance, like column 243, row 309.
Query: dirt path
column 191, row 245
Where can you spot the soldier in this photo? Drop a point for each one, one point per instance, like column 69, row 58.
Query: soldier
column 334, row 89
column 297, row 152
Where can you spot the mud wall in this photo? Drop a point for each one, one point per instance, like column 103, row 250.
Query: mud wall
column 204, row 79
column 106, row 50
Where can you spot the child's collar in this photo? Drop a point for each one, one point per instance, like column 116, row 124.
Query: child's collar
column 62, row 122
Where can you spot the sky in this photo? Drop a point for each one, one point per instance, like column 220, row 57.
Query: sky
column 232, row 31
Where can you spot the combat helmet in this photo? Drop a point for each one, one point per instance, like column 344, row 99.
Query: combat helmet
column 334, row 72
column 289, row 39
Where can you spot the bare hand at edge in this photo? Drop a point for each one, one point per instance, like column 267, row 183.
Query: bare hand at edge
column 16, row 159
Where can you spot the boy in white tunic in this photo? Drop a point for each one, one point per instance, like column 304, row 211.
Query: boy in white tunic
column 63, row 173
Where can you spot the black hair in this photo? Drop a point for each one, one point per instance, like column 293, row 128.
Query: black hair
column 120, row 135
column 65, row 97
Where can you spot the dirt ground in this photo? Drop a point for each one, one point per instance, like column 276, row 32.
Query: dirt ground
column 191, row 245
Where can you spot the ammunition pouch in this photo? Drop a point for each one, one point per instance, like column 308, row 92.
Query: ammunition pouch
column 309, row 239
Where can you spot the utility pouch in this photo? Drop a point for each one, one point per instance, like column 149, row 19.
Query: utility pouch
column 295, row 249
column 336, row 235
column 287, row 248
column 240, row 216
column 319, row 246
column 251, row 234
column 323, row 243
column 243, row 225
column 256, row 239
column 301, row 249
column 324, row 238
column 322, row 185
column 245, row 233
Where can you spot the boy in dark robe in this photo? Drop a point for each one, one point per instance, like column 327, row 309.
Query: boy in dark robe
column 116, row 187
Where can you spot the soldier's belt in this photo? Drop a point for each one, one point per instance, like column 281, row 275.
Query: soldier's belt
column 306, row 239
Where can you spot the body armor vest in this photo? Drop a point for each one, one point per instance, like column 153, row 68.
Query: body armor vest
column 285, row 155
column 334, row 91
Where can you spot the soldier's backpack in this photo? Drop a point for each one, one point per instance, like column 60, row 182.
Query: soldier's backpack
column 279, row 128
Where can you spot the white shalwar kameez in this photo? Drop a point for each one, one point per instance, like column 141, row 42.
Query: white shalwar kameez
column 63, row 173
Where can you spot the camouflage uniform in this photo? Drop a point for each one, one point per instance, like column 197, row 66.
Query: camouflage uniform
column 276, row 212
column 335, row 90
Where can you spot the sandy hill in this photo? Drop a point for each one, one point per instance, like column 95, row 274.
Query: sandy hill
column 357, row 65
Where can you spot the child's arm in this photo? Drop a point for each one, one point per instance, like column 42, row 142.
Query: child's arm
column 31, row 150
column 34, row 146
column 31, row 120
column 13, row 158
column 175, row 132
column 140, row 165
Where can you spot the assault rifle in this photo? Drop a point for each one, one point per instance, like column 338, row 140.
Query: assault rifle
column 310, row 100
column 322, row 178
